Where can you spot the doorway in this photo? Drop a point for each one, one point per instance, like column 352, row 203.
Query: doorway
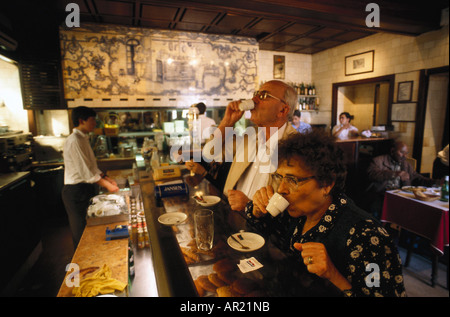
column 432, row 119
column 368, row 100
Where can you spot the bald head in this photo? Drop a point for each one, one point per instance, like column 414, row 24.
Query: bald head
column 289, row 94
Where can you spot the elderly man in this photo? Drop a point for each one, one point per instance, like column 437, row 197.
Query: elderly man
column 393, row 171
column 275, row 102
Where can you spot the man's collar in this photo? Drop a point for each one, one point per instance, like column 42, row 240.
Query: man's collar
column 76, row 130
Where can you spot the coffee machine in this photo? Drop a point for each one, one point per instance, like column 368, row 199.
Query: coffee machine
column 16, row 152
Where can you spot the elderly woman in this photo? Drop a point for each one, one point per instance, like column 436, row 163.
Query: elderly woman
column 322, row 227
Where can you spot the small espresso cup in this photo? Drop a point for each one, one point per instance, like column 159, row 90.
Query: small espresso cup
column 277, row 204
column 247, row 104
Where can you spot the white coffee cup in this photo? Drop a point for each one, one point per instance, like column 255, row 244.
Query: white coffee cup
column 247, row 104
column 277, row 204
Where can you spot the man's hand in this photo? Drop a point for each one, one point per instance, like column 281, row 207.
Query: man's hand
column 111, row 186
column 237, row 200
column 232, row 114
column 195, row 167
column 404, row 176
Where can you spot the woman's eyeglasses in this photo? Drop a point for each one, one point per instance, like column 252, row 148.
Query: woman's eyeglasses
column 262, row 95
column 291, row 181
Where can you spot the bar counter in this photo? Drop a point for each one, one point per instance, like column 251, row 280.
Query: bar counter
column 354, row 147
column 181, row 269
column 174, row 267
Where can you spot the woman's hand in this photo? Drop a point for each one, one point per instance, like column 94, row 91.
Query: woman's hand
column 317, row 261
column 261, row 200
column 237, row 200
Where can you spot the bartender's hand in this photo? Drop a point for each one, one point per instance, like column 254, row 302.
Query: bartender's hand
column 261, row 200
column 109, row 186
column 237, row 200
column 111, row 180
column 317, row 261
column 113, row 188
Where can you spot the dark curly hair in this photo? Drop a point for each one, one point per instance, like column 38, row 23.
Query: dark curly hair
column 320, row 154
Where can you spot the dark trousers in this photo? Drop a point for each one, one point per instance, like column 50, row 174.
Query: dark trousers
column 76, row 200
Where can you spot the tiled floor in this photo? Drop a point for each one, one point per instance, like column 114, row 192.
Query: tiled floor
column 417, row 277
column 45, row 278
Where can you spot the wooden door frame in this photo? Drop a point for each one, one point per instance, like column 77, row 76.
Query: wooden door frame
column 422, row 110
column 336, row 86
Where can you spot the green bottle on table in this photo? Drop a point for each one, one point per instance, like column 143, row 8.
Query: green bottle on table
column 444, row 190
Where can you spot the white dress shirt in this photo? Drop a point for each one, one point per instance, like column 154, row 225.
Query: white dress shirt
column 343, row 135
column 80, row 164
column 253, row 179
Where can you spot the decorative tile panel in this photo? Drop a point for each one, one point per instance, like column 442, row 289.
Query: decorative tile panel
column 107, row 61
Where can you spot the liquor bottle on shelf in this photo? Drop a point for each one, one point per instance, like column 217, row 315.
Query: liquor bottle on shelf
column 302, row 89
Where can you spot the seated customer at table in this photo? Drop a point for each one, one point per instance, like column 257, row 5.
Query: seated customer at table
column 322, row 227
column 344, row 130
column 297, row 124
column 391, row 171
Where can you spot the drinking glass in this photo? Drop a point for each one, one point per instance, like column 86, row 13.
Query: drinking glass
column 204, row 229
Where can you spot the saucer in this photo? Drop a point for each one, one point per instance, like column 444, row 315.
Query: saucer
column 251, row 240
column 209, row 201
column 172, row 218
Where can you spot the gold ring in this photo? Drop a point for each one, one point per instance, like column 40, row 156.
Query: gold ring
column 310, row 260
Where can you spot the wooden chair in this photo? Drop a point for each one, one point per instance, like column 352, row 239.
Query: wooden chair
column 413, row 162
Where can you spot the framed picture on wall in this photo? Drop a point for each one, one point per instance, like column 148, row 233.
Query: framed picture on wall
column 359, row 63
column 405, row 112
column 278, row 66
column 404, row 93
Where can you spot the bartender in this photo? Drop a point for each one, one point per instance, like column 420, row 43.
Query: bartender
column 81, row 172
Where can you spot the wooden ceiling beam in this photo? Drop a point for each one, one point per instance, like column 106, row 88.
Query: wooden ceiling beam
column 405, row 19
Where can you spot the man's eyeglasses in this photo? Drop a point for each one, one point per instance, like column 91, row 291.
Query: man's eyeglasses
column 291, row 181
column 262, row 95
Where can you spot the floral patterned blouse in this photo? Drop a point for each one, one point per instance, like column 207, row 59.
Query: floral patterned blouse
column 366, row 243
